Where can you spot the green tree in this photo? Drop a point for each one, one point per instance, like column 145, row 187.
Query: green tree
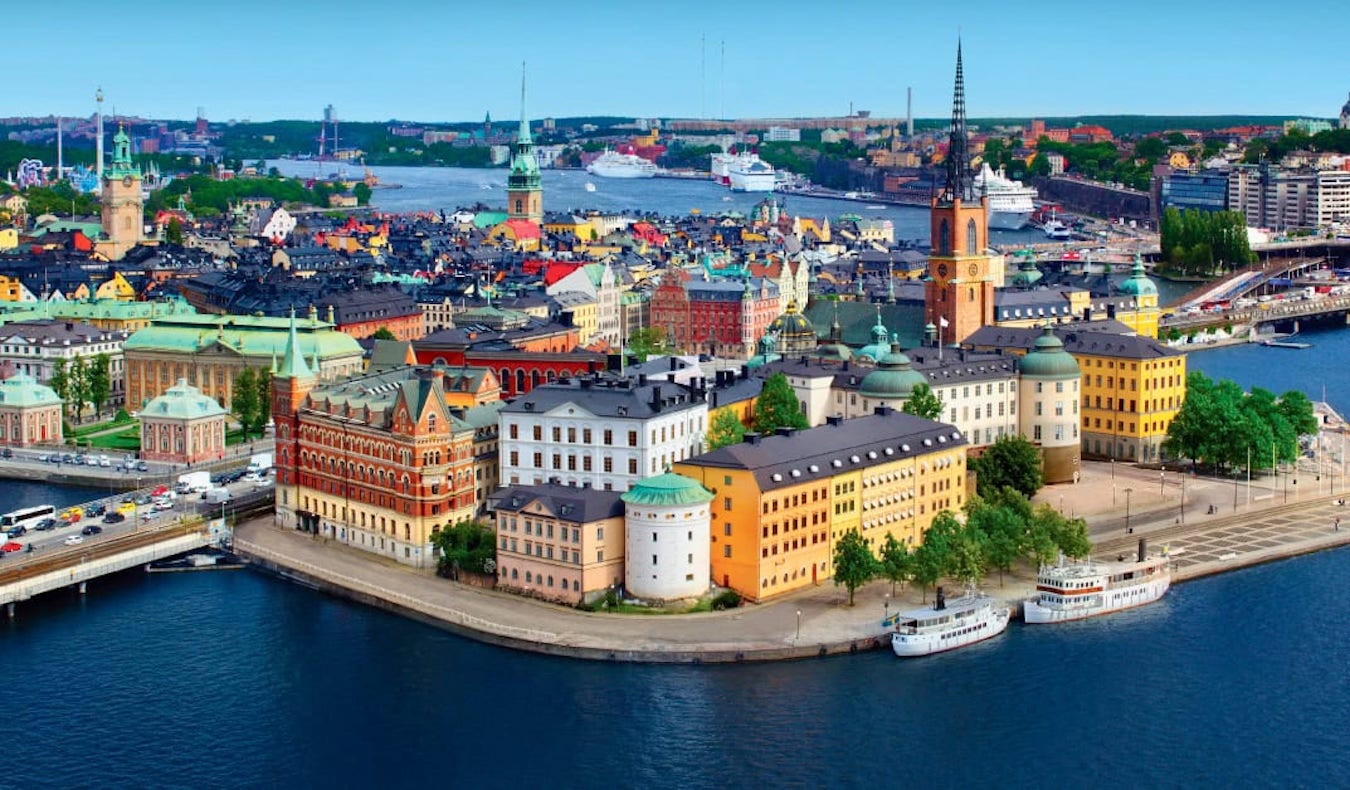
column 725, row 429
column 362, row 193
column 923, row 402
column 967, row 561
column 777, row 406
column 383, row 333
column 244, row 400
column 649, row 341
column 264, row 386
column 60, row 381
column 1298, row 410
column 99, row 378
column 173, row 232
column 1011, row 461
column 896, row 561
column 79, row 385
column 467, row 546
column 854, row 564
column 1069, row 535
column 1004, row 530
column 933, row 557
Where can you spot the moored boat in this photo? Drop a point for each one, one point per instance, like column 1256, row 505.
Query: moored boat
column 1078, row 590
column 1010, row 202
column 612, row 164
column 947, row 625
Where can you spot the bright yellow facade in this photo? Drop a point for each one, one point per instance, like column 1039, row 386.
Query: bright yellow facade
column 9, row 238
column 1129, row 403
column 11, row 289
column 117, row 288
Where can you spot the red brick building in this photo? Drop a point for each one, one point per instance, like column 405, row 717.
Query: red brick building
column 522, row 356
column 724, row 318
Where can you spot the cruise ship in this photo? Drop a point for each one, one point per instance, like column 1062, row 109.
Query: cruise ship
column 1010, row 203
column 749, row 173
column 1075, row 591
column 612, row 164
column 948, row 625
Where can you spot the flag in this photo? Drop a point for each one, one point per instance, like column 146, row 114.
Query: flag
column 944, row 323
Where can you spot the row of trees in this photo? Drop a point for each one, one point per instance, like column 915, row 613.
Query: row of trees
column 1204, row 243
column 467, row 546
column 1221, row 426
column 251, row 400
column 80, row 383
column 1261, row 149
column 776, row 407
column 998, row 531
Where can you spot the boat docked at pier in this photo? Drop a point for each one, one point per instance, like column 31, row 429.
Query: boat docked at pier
column 612, row 164
column 947, row 625
column 1075, row 591
column 1010, row 202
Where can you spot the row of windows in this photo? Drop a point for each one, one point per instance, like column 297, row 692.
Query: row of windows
column 533, row 578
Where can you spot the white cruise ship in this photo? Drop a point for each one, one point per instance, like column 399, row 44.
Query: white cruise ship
column 1075, row 591
column 612, row 164
column 948, row 625
column 749, row 173
column 1010, row 203
column 720, row 166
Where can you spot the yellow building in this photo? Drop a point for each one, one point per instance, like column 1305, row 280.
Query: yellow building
column 116, row 287
column 564, row 224
column 12, row 289
column 1132, row 388
column 585, row 312
column 9, row 238
column 783, row 500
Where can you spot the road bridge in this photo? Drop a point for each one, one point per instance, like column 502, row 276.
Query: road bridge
column 1286, row 311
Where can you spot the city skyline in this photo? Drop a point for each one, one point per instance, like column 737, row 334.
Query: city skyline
column 423, row 62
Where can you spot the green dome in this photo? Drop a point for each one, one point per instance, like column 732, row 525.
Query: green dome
column 792, row 324
column 22, row 390
column 1138, row 283
column 667, row 490
column 182, row 402
column 1027, row 274
column 1048, row 360
column 893, row 378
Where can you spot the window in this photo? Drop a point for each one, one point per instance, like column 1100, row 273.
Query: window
column 609, row 436
column 726, row 503
column 599, row 533
column 632, row 438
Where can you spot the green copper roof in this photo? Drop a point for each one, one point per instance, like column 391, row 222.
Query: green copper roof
column 293, row 364
column 22, row 390
column 183, row 402
column 1138, row 283
column 667, row 490
column 1047, row 359
column 893, row 378
column 249, row 336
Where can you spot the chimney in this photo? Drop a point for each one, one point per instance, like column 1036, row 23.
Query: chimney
column 1110, row 311
column 656, row 398
column 674, row 363
column 642, row 379
column 784, row 430
column 590, row 367
column 751, row 437
column 883, row 410
column 1143, row 549
column 745, row 371
column 834, row 419
column 1087, row 313
column 940, row 601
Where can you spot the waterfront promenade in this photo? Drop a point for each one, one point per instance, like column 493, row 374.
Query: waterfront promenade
column 1268, row 530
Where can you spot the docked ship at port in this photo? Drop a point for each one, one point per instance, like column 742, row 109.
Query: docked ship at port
column 1010, row 202
column 948, row 625
column 612, row 164
column 1075, row 591
column 743, row 172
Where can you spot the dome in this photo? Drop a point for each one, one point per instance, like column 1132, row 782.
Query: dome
column 22, row 390
column 1138, row 283
column 1048, row 360
column 183, row 402
column 766, row 354
column 794, row 331
column 881, row 341
column 667, row 490
column 1027, row 274
column 832, row 352
column 893, row 378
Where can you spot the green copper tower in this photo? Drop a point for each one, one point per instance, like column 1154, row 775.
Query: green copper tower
column 524, row 193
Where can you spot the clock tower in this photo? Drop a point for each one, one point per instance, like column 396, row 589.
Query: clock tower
column 959, row 288
column 524, row 192
column 123, row 216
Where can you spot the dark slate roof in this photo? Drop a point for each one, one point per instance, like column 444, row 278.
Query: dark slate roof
column 568, row 503
column 1081, row 338
column 606, row 396
column 840, row 445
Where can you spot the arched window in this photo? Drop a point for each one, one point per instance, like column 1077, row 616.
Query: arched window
column 520, row 380
column 518, row 205
column 972, row 238
column 534, row 378
column 944, row 238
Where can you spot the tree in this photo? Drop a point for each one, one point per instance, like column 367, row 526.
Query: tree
column 1054, row 532
column 79, row 385
column 1011, row 461
column 933, row 557
column 466, row 546
column 777, row 406
column 264, row 385
column 60, row 381
column 649, row 341
column 725, row 429
column 383, row 333
column 923, row 402
column 173, row 232
column 99, row 382
column 244, row 400
column 1298, row 410
column 896, row 561
column 967, row 561
column 854, row 564
column 362, row 193
column 1004, row 530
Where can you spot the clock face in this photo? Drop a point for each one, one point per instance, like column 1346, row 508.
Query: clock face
column 974, row 269
column 942, row 270
column 126, row 181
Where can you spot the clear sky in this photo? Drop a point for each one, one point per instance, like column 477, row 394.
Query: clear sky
column 452, row 60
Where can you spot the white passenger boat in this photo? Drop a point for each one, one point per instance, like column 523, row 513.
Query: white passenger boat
column 948, row 625
column 1074, row 591
column 1010, row 203
column 612, row 164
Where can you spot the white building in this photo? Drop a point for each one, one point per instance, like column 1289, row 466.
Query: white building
column 597, row 281
column 666, row 526
column 782, row 134
column 33, row 347
column 1333, row 198
column 601, row 431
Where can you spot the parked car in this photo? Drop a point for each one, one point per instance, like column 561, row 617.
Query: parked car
column 103, row 460
column 94, row 529
column 142, row 466
column 6, row 453
column 112, row 518
column 11, row 546
column 66, row 458
column 78, row 460
column 95, row 511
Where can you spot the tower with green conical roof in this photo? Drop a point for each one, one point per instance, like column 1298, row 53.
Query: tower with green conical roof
column 122, row 205
column 524, row 192
column 291, row 384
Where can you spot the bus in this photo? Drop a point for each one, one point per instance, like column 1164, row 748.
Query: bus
column 27, row 517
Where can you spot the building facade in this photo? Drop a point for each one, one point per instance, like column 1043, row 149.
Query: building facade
column 30, row 413
column 122, row 218
column 182, row 426
column 37, row 347
column 560, row 543
column 666, row 548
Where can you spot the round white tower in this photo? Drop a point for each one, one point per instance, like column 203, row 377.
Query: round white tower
column 666, row 528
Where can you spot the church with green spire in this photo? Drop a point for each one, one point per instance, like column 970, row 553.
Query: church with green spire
column 122, row 205
column 524, row 190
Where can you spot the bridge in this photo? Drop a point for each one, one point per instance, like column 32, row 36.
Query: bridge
column 1286, row 310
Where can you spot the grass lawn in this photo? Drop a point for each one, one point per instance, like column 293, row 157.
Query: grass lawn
column 126, row 440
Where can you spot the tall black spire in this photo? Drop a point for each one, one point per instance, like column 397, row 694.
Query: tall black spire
column 958, row 151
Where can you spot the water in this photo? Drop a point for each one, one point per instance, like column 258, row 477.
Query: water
column 15, row 494
column 232, row 678
column 1281, row 369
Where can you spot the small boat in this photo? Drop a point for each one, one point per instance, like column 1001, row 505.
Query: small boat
column 1054, row 229
column 874, row 208
column 850, row 196
column 1078, row 590
column 948, row 625
column 590, row 187
column 726, row 198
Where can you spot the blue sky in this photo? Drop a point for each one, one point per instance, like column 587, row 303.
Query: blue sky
column 454, row 60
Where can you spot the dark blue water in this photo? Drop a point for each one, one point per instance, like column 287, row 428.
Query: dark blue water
column 15, row 494
column 1314, row 371
column 231, row 678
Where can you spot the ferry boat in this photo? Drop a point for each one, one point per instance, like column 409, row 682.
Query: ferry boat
column 1058, row 231
column 612, row 164
column 1079, row 590
column 948, row 625
column 749, row 173
column 1010, row 203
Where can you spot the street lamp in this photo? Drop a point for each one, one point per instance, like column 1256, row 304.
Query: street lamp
column 799, row 627
column 1128, row 491
column 1162, row 478
column 886, row 617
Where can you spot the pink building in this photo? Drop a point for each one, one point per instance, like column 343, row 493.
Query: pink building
column 182, row 426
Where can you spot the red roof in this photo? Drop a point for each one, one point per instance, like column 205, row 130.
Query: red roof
column 523, row 228
column 556, row 271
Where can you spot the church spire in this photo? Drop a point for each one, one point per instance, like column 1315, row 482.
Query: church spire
column 958, row 152
column 293, row 364
column 524, row 122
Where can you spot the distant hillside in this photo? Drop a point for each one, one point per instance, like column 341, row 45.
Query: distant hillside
column 1130, row 125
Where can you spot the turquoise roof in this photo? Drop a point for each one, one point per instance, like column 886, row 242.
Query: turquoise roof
column 22, row 390
column 1138, row 283
column 182, row 402
column 667, row 490
column 293, row 364
column 1047, row 359
column 251, row 336
column 893, row 378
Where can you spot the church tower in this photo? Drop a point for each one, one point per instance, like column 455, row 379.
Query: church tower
column 123, row 215
column 959, row 288
column 524, row 193
column 291, row 384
